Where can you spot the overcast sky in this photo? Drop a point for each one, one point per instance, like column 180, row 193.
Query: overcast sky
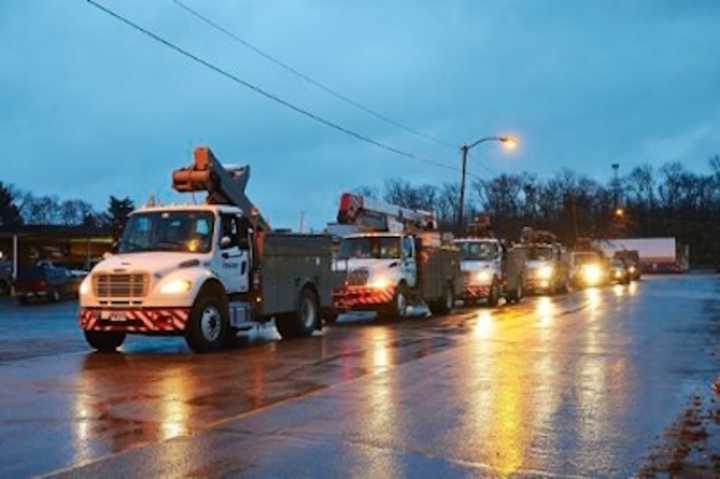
column 90, row 107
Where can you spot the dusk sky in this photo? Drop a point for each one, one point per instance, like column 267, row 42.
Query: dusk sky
column 91, row 107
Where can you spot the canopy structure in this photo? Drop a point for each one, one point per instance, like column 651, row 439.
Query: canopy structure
column 75, row 246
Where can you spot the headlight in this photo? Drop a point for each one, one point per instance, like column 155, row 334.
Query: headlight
column 592, row 273
column 380, row 283
column 632, row 269
column 544, row 272
column 177, row 286
column 483, row 277
column 85, row 286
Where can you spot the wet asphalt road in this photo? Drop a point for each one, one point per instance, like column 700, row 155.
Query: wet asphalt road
column 577, row 385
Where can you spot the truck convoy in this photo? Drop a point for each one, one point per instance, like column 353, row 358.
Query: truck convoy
column 490, row 270
column 547, row 266
column 393, row 257
column 206, row 271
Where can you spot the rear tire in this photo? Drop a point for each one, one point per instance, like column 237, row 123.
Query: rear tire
column 493, row 295
column 104, row 341
column 447, row 302
column 208, row 327
column 304, row 321
column 516, row 295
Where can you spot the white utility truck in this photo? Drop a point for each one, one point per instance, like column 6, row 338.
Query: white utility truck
column 395, row 258
column 207, row 271
column 490, row 270
column 546, row 262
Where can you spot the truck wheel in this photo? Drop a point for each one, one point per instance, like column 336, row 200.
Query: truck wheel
column 304, row 321
column 447, row 302
column 207, row 327
column 516, row 295
column 493, row 295
column 105, row 341
column 397, row 308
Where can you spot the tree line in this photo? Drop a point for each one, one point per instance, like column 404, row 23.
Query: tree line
column 647, row 202
column 19, row 207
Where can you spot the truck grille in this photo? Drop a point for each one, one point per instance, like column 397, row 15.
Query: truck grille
column 126, row 285
column 358, row 277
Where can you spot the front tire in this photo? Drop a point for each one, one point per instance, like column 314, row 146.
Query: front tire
column 104, row 341
column 304, row 321
column 207, row 328
column 397, row 308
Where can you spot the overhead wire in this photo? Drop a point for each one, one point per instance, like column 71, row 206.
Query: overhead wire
column 268, row 95
column 318, row 84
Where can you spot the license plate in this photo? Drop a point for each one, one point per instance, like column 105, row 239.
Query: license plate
column 114, row 316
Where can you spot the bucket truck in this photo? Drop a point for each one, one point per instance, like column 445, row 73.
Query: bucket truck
column 393, row 257
column 206, row 271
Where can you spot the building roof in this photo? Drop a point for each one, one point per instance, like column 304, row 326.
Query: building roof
column 55, row 231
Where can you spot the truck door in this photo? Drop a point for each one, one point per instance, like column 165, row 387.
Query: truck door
column 233, row 265
column 408, row 263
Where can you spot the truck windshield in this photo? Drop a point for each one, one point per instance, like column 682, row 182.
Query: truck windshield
column 181, row 231
column 478, row 250
column 373, row 247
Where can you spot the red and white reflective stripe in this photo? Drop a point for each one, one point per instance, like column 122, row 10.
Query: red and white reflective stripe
column 151, row 319
column 348, row 297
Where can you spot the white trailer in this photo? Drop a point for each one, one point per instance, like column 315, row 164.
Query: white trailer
column 657, row 255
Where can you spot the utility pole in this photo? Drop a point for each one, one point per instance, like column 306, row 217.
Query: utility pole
column 302, row 221
column 461, row 208
column 616, row 184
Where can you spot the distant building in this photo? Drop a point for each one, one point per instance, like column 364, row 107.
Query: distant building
column 73, row 246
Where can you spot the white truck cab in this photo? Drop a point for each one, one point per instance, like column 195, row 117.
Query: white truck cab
column 206, row 271
column 383, row 259
column 490, row 270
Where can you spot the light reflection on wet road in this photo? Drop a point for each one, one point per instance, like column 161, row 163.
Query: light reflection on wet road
column 573, row 385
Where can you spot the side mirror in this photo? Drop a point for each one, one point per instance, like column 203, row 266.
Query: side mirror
column 225, row 241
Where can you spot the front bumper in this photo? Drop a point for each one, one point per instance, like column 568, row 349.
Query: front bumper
column 538, row 284
column 134, row 320
column 476, row 291
column 361, row 297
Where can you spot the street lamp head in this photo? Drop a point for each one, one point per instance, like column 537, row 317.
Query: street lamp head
column 509, row 142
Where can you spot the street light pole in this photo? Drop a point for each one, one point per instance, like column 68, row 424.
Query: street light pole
column 461, row 209
column 464, row 149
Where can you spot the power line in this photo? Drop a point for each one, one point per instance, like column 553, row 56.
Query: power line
column 266, row 94
column 306, row 78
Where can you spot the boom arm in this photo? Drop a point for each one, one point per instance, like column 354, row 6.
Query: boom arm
column 223, row 185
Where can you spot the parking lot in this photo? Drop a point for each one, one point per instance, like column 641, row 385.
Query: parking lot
column 584, row 384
